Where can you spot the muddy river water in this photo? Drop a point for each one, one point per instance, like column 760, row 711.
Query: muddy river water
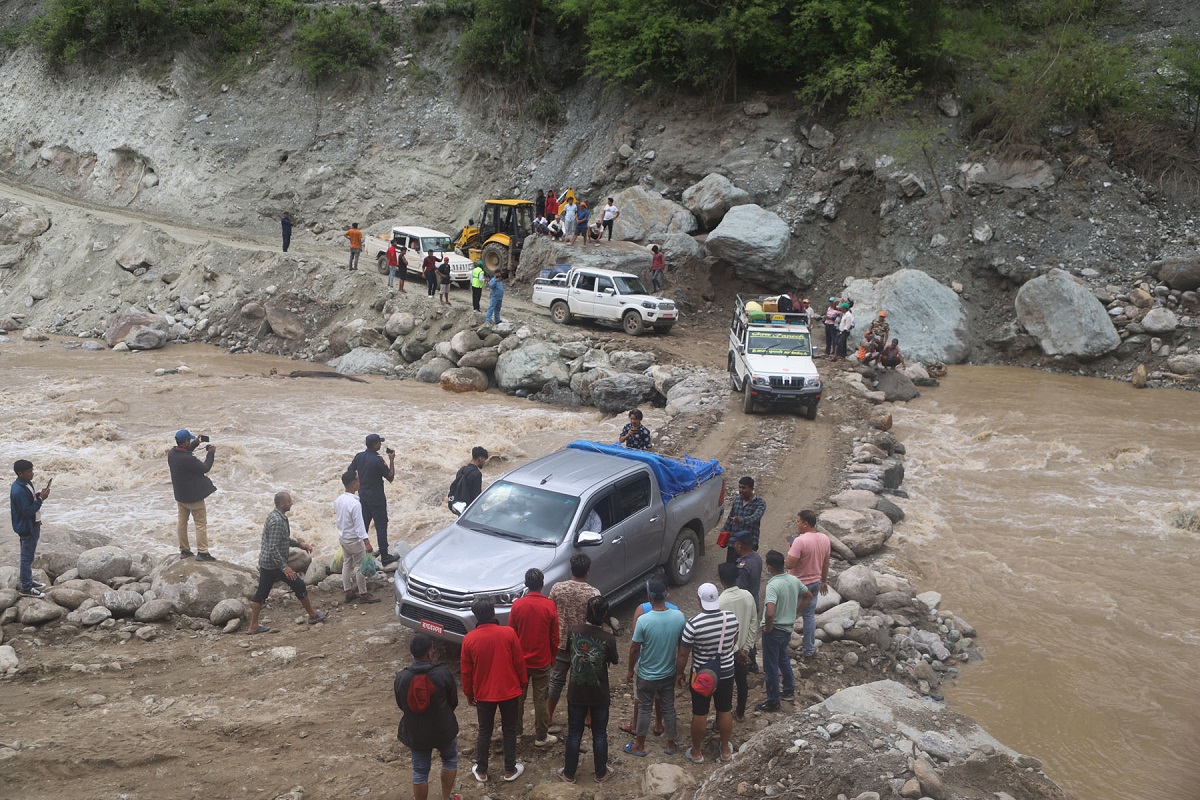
column 1053, row 513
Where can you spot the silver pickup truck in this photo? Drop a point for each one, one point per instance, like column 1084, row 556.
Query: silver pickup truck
column 635, row 513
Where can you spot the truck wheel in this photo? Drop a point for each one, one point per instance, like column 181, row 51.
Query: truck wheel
column 632, row 322
column 811, row 412
column 684, row 555
column 560, row 312
column 747, row 398
column 494, row 258
column 381, row 263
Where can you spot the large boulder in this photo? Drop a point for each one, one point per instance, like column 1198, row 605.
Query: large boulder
column 712, row 197
column 464, row 379
column 849, row 610
column 1065, row 317
column 401, row 323
column 864, row 532
column 67, row 598
column 544, row 253
column 103, row 563
column 927, row 317
column 285, row 324
column 154, row 611
column 122, row 603
column 37, row 612
column 752, row 240
column 133, row 323
column 681, row 245
column 12, row 254
column 433, row 369
column 364, row 361
column 621, row 392
column 1182, row 273
column 23, row 223
column 483, row 358
column 464, row 342
column 530, row 366
column 858, row 584
column 1186, row 364
column 896, row 386
column 1029, row 173
column 195, row 587
column 646, row 215
column 140, row 249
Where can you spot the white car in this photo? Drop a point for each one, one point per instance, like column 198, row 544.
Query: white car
column 419, row 242
column 770, row 359
column 605, row 295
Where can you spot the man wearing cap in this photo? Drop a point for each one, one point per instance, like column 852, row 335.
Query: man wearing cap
column 832, row 317
column 745, row 514
column 879, row 328
column 750, row 568
column 710, row 635
column 371, row 471
column 478, row 278
column 189, row 480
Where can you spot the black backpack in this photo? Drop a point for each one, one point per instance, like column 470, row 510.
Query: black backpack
column 456, row 486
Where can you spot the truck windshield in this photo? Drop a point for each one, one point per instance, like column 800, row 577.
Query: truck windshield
column 630, row 285
column 438, row 244
column 520, row 512
column 778, row 343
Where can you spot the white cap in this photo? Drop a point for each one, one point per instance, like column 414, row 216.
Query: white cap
column 708, row 597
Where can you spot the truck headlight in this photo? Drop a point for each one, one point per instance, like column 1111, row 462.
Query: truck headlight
column 506, row 597
column 757, row 381
column 814, row 382
column 648, row 304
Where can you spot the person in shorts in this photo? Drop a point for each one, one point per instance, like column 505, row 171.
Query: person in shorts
column 429, row 722
column 443, row 275
column 710, row 635
column 273, row 565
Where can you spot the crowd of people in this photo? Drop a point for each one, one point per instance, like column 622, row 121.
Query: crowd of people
column 874, row 347
column 568, row 218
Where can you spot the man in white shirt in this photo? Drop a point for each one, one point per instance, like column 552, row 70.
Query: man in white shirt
column 845, row 326
column 352, row 532
column 611, row 212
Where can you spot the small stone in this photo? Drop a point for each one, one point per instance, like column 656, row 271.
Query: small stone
column 911, row 789
column 233, row 625
column 834, row 728
column 146, row 633
column 91, row 701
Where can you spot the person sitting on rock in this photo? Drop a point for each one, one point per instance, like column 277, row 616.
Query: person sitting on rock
column 890, row 357
column 555, row 228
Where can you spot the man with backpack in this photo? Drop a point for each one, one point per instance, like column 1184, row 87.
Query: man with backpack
column 468, row 482
column 427, row 695
column 591, row 650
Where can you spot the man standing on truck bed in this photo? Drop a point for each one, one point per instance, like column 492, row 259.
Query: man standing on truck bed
column 745, row 514
column 356, row 242
column 372, row 471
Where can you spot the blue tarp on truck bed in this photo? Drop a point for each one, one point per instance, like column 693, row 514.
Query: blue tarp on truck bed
column 675, row 475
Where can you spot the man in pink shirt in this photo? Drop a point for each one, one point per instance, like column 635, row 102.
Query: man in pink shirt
column 808, row 559
column 535, row 619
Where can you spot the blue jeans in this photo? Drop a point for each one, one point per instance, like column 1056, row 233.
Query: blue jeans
column 391, row 275
column 776, row 663
column 576, row 714
column 29, row 545
column 423, row 761
column 493, row 311
column 354, row 254
column 656, row 280
column 808, row 644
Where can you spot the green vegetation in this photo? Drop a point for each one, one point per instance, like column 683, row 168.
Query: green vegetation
column 334, row 39
column 1179, row 81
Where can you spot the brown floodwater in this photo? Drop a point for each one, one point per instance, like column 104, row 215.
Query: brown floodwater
column 101, row 424
column 1052, row 513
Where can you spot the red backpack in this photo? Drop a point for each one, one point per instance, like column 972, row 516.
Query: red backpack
column 421, row 690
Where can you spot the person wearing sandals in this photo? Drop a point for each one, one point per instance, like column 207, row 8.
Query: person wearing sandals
column 656, row 635
column 591, row 649
column 273, row 564
column 741, row 603
column 427, row 695
column 709, row 636
column 493, row 679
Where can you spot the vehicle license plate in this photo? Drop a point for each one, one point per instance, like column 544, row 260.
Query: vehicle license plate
column 668, row 316
column 432, row 627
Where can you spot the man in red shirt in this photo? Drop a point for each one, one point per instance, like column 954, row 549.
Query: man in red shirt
column 808, row 559
column 493, row 677
column 535, row 619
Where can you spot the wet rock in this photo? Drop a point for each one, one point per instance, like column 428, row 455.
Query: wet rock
column 712, row 197
column 103, row 563
column 154, row 611
column 32, row 611
column 365, row 361
column 889, row 509
column 751, row 239
column 464, row 379
column 621, row 392
column 646, row 215
column 431, row 371
column 226, row 610
column 484, row 358
column 858, row 583
column 928, row 318
column 122, row 603
column 284, row 323
column 1010, row 174
column 896, row 386
column 1182, row 273
column 195, row 587
column 530, row 366
column 1160, row 320
column 412, row 351
column 1065, row 317
column 33, row 335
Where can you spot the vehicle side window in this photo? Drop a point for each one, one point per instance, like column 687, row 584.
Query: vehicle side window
column 587, row 283
column 603, row 282
column 602, row 508
column 415, row 244
column 631, row 497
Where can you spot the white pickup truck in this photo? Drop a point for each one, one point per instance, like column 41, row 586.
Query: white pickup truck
column 419, row 242
column 604, row 295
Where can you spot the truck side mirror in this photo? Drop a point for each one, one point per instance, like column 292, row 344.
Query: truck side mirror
column 588, row 539
column 609, row 290
column 742, row 349
column 470, row 221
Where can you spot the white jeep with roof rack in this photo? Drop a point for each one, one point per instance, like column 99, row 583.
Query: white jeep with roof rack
column 770, row 358
column 419, row 242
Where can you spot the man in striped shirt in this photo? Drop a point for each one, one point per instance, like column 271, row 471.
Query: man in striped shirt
column 710, row 635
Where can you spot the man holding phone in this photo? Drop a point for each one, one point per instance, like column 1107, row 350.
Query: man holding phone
column 189, row 479
column 371, row 471
column 26, row 507
column 635, row 435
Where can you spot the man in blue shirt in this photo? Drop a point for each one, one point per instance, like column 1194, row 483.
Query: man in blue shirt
column 26, row 506
column 372, row 471
column 656, row 636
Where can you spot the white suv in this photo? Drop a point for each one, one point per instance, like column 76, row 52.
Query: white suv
column 770, row 359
